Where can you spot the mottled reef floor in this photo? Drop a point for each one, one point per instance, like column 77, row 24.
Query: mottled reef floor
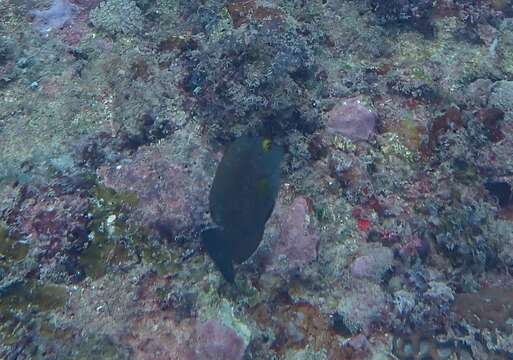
column 392, row 233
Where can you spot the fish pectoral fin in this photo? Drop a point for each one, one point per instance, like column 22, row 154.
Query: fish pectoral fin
column 215, row 243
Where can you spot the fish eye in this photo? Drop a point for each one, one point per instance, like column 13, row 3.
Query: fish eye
column 266, row 144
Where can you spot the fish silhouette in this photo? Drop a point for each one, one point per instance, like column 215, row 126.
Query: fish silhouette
column 241, row 200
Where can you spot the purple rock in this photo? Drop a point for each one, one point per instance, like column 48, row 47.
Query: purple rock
column 59, row 13
column 363, row 305
column 298, row 238
column 53, row 222
column 373, row 265
column 216, row 341
column 172, row 188
column 352, row 119
column 359, row 343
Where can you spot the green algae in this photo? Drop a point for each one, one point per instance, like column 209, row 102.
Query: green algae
column 464, row 172
column 101, row 254
column 420, row 74
column 115, row 243
column 20, row 304
column 48, row 329
column 20, row 295
column 49, row 297
column 161, row 259
column 322, row 215
column 392, row 146
column 505, row 47
column 12, row 328
column 112, row 200
column 24, row 306
column 108, row 232
column 344, row 144
column 461, row 63
column 11, row 249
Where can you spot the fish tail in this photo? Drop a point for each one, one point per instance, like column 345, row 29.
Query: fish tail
column 213, row 242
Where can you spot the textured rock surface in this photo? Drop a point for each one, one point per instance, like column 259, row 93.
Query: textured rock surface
column 118, row 17
column 55, row 223
column 298, row 239
column 172, row 188
column 500, row 98
column 374, row 264
column 353, row 119
column 363, row 307
column 217, row 341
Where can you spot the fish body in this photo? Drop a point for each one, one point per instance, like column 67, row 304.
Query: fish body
column 241, row 200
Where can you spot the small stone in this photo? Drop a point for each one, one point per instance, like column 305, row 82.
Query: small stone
column 352, row 119
column 217, row 341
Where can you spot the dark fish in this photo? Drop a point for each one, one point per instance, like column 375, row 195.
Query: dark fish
column 501, row 190
column 242, row 198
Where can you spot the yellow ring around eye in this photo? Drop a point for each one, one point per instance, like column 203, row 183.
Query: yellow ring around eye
column 266, row 144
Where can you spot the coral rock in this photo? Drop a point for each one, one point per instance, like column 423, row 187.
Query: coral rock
column 54, row 223
column 118, row 17
column 363, row 306
column 298, row 238
column 216, row 341
column 500, row 98
column 352, row 119
column 172, row 189
column 374, row 264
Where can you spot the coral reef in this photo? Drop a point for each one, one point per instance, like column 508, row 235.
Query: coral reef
column 231, row 83
column 417, row 13
column 118, row 17
column 392, row 232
